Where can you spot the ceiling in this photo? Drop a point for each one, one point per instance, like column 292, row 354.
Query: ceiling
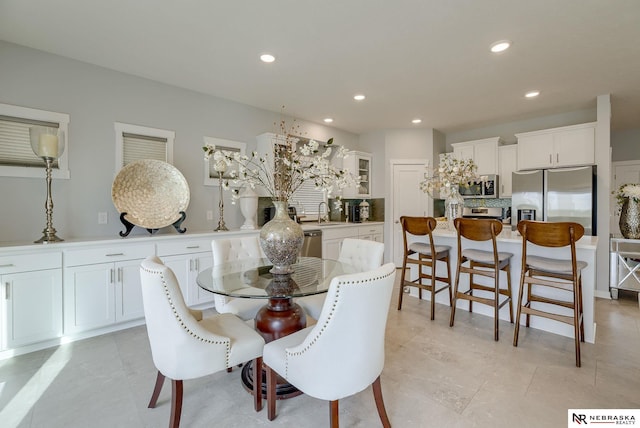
column 425, row 59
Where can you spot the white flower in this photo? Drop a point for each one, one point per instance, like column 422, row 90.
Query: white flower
column 450, row 173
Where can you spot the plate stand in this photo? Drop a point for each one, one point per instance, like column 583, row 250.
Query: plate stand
column 129, row 226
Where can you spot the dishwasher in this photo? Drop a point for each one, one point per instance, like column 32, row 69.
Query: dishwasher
column 312, row 244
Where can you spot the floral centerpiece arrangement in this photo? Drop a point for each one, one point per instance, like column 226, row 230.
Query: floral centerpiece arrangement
column 450, row 174
column 280, row 174
column 445, row 182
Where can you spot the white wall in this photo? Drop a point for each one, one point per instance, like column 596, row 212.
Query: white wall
column 95, row 98
column 626, row 145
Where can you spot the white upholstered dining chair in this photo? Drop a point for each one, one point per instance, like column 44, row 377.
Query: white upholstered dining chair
column 227, row 250
column 344, row 352
column 360, row 253
column 184, row 345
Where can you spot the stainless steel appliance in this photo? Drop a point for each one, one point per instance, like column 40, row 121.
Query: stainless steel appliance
column 312, row 244
column 564, row 194
column 480, row 189
column 482, row 212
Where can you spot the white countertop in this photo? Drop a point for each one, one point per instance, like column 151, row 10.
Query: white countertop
column 507, row 235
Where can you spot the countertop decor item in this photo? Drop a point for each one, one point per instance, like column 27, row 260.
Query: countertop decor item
column 151, row 194
column 48, row 144
column 249, row 208
column 445, row 181
column 628, row 197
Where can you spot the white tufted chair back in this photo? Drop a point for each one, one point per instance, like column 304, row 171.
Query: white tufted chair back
column 344, row 352
column 226, row 250
column 363, row 254
column 181, row 348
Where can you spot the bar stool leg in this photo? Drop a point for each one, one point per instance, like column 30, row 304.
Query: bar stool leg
column 507, row 269
column 455, row 296
column 449, row 280
column 519, row 310
column 402, row 279
column 496, row 305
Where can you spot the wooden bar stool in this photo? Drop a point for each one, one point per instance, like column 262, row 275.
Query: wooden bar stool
column 428, row 254
column 543, row 272
column 483, row 263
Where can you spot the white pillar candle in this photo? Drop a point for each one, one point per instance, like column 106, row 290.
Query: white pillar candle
column 48, row 146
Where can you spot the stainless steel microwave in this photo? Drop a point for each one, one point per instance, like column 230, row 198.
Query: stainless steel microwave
column 487, row 187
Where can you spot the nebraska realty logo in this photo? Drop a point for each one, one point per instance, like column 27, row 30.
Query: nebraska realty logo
column 599, row 417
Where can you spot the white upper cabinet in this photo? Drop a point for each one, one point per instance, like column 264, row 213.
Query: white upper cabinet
column 358, row 164
column 483, row 152
column 557, row 147
column 507, row 164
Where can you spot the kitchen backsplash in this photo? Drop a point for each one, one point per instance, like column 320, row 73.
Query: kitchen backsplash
column 376, row 209
column 438, row 204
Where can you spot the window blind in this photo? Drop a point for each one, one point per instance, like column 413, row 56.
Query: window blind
column 15, row 144
column 307, row 197
column 137, row 147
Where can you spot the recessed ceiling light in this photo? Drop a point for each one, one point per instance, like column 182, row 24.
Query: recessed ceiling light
column 500, row 46
column 359, row 97
column 416, row 121
column 267, row 58
column 328, row 120
column 532, row 94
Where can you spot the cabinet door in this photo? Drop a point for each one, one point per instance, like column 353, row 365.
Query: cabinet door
column 33, row 306
column 89, row 297
column 535, row 151
column 575, row 147
column 364, row 172
column 464, row 152
column 485, row 155
column 200, row 262
column 181, row 265
column 507, row 159
column 128, row 303
column 331, row 249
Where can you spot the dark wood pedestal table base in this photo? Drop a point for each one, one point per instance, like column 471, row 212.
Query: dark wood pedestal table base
column 281, row 316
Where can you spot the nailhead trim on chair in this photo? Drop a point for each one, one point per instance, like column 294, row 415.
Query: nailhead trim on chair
column 324, row 326
column 181, row 322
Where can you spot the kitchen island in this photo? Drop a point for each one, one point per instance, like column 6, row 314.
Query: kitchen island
column 511, row 242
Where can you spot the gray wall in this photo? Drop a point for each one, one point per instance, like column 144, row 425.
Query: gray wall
column 625, row 145
column 95, row 98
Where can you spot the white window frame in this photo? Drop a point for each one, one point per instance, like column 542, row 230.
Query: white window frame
column 221, row 144
column 62, row 119
column 121, row 128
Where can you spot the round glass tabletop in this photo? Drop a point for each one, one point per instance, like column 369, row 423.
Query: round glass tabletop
column 250, row 278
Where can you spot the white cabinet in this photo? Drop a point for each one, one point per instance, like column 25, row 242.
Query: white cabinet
column 483, row 152
column 358, row 164
column 507, row 164
column 31, row 287
column 557, row 147
column 102, row 286
column 333, row 236
column 187, row 258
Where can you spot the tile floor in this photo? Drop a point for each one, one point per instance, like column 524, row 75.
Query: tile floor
column 435, row 376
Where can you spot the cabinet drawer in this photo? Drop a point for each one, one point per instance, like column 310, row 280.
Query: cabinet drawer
column 184, row 247
column 30, row 262
column 337, row 232
column 377, row 229
column 89, row 256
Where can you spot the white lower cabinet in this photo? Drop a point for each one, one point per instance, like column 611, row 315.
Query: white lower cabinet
column 332, row 237
column 99, row 293
column 187, row 259
column 31, row 299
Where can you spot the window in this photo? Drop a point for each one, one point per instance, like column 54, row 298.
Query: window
column 16, row 156
column 135, row 143
column 211, row 176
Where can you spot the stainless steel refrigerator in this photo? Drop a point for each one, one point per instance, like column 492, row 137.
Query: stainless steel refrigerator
column 563, row 194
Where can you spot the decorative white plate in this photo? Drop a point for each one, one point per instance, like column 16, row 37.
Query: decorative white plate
column 151, row 192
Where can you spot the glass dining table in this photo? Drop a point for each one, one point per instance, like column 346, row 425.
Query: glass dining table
column 280, row 315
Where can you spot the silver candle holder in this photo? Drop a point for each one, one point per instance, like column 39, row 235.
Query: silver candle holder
column 220, row 167
column 48, row 144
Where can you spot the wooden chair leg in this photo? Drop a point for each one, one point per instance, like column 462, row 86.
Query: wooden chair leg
column 271, row 393
column 156, row 390
column 333, row 417
column 404, row 270
column 176, row 403
column 449, row 281
column 257, row 384
column 455, row 296
column 377, row 395
column 518, row 311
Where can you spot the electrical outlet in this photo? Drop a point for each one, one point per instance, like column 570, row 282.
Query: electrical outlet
column 102, row 218
column 209, row 215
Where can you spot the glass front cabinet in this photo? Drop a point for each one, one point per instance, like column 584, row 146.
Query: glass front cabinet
column 359, row 164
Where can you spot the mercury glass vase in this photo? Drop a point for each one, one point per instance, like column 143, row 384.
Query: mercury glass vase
column 454, row 203
column 630, row 219
column 281, row 240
